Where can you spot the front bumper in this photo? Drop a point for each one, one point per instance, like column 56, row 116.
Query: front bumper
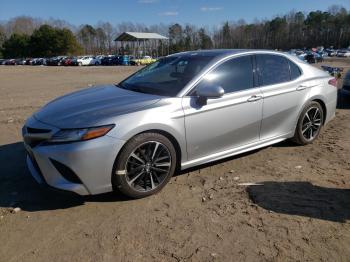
column 92, row 162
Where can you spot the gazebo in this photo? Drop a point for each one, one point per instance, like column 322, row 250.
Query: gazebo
column 140, row 44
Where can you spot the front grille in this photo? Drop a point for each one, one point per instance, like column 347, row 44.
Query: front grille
column 33, row 142
column 66, row 172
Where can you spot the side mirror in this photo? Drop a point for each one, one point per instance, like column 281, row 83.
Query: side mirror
column 207, row 92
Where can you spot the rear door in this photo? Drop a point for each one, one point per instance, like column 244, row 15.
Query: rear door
column 284, row 94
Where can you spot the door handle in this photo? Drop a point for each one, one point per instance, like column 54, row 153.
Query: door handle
column 301, row 87
column 254, row 98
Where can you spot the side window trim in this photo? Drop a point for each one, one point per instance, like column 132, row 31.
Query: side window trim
column 256, row 82
column 290, row 70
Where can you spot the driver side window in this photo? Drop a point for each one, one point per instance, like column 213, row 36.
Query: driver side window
column 233, row 75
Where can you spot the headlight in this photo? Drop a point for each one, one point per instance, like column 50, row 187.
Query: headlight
column 81, row 134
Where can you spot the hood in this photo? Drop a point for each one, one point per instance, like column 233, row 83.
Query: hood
column 92, row 106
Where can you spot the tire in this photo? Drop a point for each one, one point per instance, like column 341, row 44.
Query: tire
column 136, row 179
column 309, row 124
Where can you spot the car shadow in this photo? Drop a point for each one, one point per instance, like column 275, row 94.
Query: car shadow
column 302, row 199
column 19, row 189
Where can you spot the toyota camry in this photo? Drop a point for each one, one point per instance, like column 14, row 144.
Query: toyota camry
column 183, row 110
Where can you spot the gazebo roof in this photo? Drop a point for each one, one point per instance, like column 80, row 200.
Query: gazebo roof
column 134, row 36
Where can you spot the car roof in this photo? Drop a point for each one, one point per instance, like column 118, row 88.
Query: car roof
column 219, row 54
column 228, row 52
column 214, row 52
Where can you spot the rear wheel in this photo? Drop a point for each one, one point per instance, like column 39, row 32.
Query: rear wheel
column 309, row 124
column 145, row 165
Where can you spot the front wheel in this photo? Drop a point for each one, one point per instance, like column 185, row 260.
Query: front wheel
column 309, row 124
column 145, row 165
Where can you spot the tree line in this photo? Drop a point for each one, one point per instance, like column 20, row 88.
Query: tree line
column 32, row 37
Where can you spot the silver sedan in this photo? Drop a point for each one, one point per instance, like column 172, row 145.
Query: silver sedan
column 184, row 110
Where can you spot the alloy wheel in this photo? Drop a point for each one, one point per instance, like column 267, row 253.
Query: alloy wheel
column 312, row 123
column 148, row 166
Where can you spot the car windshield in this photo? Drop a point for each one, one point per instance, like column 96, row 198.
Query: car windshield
column 167, row 76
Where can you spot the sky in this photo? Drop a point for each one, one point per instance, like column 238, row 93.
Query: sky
column 198, row 12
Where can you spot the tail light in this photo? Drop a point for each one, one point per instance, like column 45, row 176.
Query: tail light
column 333, row 82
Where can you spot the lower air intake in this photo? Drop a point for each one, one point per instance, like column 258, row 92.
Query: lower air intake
column 66, row 172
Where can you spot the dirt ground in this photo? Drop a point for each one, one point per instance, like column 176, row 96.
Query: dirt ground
column 299, row 212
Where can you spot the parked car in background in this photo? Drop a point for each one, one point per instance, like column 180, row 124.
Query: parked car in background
column 99, row 58
column 2, row 61
column 184, row 110
column 70, row 61
column 74, row 61
column 333, row 71
column 51, row 61
column 343, row 53
column 331, row 52
column 10, row 62
column 20, row 61
column 146, row 60
column 28, row 61
column 34, row 61
column 109, row 60
column 310, row 58
column 313, row 57
column 56, row 61
column 88, row 60
column 39, row 61
column 319, row 57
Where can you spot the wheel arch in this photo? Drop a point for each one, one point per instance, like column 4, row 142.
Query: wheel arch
column 317, row 99
column 324, row 108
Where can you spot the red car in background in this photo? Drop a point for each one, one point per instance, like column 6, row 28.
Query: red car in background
column 70, row 61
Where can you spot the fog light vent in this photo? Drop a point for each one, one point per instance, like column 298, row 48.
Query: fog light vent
column 66, row 172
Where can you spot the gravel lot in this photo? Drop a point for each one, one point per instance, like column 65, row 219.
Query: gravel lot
column 300, row 212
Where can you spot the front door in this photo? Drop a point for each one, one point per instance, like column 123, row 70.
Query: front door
column 230, row 121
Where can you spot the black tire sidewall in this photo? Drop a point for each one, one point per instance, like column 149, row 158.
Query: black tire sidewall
column 119, row 181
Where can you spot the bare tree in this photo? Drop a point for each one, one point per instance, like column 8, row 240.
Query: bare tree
column 109, row 33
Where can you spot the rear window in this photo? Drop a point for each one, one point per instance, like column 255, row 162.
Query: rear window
column 273, row 69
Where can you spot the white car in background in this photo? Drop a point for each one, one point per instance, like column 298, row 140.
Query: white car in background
column 343, row 53
column 88, row 60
